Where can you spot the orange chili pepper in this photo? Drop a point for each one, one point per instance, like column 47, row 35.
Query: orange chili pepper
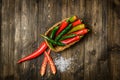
column 51, row 63
column 44, row 64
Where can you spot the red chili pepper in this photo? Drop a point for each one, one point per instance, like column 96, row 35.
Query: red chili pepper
column 81, row 32
column 51, row 63
column 62, row 26
column 70, row 40
column 35, row 54
column 44, row 64
column 76, row 22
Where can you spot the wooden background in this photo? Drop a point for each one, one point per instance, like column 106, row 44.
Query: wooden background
column 96, row 57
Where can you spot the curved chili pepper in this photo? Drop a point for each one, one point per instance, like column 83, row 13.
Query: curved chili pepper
column 81, row 32
column 54, row 31
column 76, row 22
column 51, row 63
column 76, row 28
column 70, row 40
column 44, row 64
column 52, row 35
column 35, row 54
column 63, row 32
column 68, row 36
column 62, row 26
column 72, row 19
column 52, row 41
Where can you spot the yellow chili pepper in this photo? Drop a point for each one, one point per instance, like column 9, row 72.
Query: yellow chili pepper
column 76, row 28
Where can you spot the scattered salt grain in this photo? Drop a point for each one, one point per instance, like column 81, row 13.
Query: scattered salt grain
column 62, row 63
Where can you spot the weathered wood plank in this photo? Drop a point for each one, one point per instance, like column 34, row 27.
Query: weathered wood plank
column 0, row 37
column 17, row 40
column 11, row 35
column 96, row 46
column 7, row 39
column 113, row 25
column 114, row 38
column 88, row 45
column 25, row 36
column 115, row 65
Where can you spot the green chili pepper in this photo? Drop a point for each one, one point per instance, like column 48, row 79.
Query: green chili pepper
column 72, row 19
column 63, row 32
column 53, row 32
column 51, row 46
column 68, row 36
column 76, row 28
column 52, row 41
column 67, row 20
column 52, row 35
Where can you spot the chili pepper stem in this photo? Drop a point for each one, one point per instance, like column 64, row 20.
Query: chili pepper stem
column 81, row 36
column 42, row 74
column 88, row 30
column 41, row 35
column 72, row 19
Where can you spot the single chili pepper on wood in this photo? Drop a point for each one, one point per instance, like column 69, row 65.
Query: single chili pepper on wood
column 44, row 64
column 62, row 26
column 52, row 41
column 51, row 63
column 63, row 32
column 81, row 32
column 70, row 40
column 77, row 22
column 68, row 36
column 35, row 54
column 72, row 19
column 76, row 28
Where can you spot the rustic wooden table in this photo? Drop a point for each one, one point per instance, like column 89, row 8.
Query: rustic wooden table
column 96, row 57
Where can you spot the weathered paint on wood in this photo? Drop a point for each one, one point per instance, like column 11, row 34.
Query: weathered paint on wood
column 95, row 57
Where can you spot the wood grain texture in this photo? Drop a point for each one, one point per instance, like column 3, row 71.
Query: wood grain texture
column 114, row 62
column 95, row 57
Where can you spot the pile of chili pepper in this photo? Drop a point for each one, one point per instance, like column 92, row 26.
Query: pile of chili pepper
column 70, row 30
